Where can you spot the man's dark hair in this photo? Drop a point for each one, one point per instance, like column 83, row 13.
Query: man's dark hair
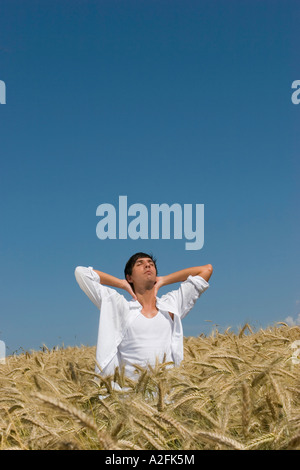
column 132, row 260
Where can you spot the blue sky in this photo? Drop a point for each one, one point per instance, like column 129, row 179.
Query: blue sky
column 184, row 102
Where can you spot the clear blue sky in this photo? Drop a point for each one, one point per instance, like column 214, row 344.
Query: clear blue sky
column 183, row 102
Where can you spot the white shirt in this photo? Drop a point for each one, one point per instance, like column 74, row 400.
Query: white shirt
column 146, row 341
column 117, row 313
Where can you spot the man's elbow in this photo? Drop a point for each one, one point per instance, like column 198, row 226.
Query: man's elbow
column 210, row 268
column 78, row 272
column 207, row 272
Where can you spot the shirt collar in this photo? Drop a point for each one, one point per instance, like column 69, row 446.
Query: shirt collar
column 134, row 304
column 161, row 305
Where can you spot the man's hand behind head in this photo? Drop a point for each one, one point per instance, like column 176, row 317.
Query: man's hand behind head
column 126, row 286
column 159, row 283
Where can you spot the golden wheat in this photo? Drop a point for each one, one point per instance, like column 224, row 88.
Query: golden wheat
column 232, row 391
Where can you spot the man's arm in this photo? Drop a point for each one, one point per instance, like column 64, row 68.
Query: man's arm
column 92, row 283
column 190, row 289
column 112, row 281
column 180, row 276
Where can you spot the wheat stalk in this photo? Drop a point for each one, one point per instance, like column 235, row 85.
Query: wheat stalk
column 221, row 439
column 246, row 408
column 260, row 440
column 67, row 408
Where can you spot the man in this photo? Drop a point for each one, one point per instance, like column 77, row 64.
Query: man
column 147, row 328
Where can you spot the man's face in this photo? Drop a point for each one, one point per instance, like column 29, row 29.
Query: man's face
column 143, row 271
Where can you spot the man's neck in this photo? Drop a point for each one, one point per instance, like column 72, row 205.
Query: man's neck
column 148, row 301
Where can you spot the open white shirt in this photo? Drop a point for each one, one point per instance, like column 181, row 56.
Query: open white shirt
column 146, row 341
column 117, row 313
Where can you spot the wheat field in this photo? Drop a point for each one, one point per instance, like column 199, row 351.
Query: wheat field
column 236, row 391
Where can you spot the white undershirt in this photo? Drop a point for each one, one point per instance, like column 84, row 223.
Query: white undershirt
column 146, row 340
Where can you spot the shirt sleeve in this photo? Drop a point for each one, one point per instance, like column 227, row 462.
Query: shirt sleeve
column 89, row 282
column 188, row 293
